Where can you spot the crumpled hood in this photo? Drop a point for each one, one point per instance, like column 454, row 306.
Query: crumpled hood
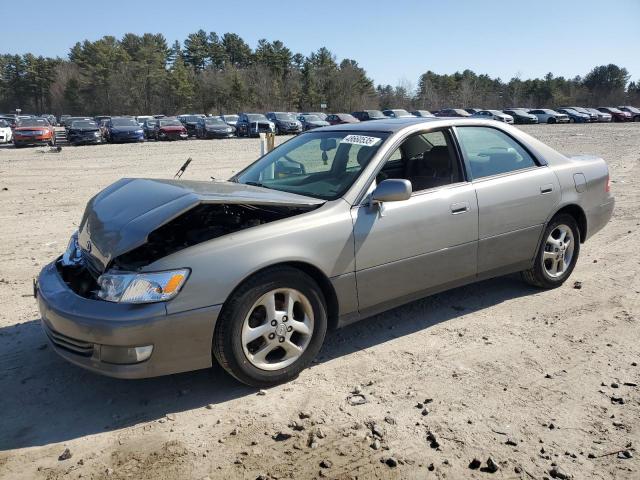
column 121, row 217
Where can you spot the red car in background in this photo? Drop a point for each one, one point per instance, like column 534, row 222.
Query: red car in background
column 617, row 115
column 170, row 129
column 33, row 131
column 341, row 118
column 633, row 111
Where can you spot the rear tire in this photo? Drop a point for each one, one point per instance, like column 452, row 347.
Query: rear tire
column 286, row 344
column 557, row 253
column 571, row 120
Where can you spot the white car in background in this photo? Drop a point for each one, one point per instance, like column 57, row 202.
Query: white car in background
column 6, row 133
column 546, row 115
column 493, row 115
column 602, row 116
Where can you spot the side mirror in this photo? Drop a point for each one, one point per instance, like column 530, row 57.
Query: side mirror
column 392, row 190
column 327, row 144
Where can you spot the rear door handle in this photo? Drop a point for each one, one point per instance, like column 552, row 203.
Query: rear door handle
column 544, row 189
column 458, row 208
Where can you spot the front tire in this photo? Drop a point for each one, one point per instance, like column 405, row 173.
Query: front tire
column 271, row 328
column 551, row 120
column 557, row 254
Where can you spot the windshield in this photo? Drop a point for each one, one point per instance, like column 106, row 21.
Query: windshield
column 190, row 118
column 311, row 118
column 230, row 118
column 316, row 164
column 401, row 113
column 170, row 123
column 286, row 117
column 375, row 114
column 255, row 117
column 215, row 121
column 4, row 124
column 84, row 124
column 33, row 122
column 124, row 122
column 633, row 109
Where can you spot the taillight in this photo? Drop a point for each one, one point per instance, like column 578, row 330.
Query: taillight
column 607, row 187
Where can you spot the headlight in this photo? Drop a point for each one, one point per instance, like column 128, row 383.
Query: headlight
column 141, row 287
column 72, row 255
column 139, row 132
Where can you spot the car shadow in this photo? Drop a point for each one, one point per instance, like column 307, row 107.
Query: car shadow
column 45, row 400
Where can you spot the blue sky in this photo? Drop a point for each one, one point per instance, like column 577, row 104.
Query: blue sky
column 393, row 40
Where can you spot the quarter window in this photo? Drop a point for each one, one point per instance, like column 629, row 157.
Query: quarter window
column 492, row 152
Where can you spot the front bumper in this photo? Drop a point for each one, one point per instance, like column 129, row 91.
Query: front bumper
column 31, row 139
column 124, row 138
column 173, row 135
column 78, row 328
column 217, row 134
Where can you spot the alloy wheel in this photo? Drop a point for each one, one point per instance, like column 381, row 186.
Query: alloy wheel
column 277, row 329
column 558, row 251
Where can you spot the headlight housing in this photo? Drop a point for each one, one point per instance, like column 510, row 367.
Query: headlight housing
column 72, row 255
column 127, row 287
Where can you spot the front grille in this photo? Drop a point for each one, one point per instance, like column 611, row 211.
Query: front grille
column 69, row 344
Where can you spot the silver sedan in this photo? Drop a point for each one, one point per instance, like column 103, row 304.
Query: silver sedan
column 331, row 227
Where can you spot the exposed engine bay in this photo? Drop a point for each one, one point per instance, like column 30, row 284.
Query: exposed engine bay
column 203, row 222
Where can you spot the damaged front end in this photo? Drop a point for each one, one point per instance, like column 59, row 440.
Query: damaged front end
column 135, row 222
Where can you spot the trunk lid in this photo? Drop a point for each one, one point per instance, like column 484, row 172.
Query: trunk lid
column 121, row 217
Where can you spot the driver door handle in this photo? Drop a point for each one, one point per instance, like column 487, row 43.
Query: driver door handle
column 458, row 208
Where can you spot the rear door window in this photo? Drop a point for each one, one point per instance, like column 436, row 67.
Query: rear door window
column 492, row 152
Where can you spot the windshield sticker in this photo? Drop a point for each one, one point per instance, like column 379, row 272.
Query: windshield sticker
column 361, row 140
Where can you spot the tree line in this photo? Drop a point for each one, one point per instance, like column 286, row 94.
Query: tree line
column 143, row 74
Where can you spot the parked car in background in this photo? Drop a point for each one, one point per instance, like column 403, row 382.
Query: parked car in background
column 635, row 112
column 546, row 115
column 33, row 131
column 616, row 114
column 143, row 118
column 170, row 129
column 10, row 119
column 230, row 119
column 190, row 122
column 397, row 113
column 50, row 118
column 213, row 127
column 253, row 124
column 320, row 115
column 493, row 115
column 310, row 121
column 602, row 116
column 365, row 115
column 62, row 119
column 148, row 128
column 99, row 118
column 285, row 122
column 422, row 114
column 6, row 134
column 471, row 111
column 123, row 129
column 341, row 119
column 521, row 116
column 175, row 275
column 575, row 116
column 452, row 112
column 592, row 117
column 84, row 132
column 69, row 120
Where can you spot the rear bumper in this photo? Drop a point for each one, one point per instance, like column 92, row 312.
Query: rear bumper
column 78, row 328
column 598, row 217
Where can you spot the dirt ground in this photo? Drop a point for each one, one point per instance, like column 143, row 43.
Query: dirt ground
column 542, row 382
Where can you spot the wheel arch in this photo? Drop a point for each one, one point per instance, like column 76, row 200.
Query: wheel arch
column 317, row 275
column 579, row 216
